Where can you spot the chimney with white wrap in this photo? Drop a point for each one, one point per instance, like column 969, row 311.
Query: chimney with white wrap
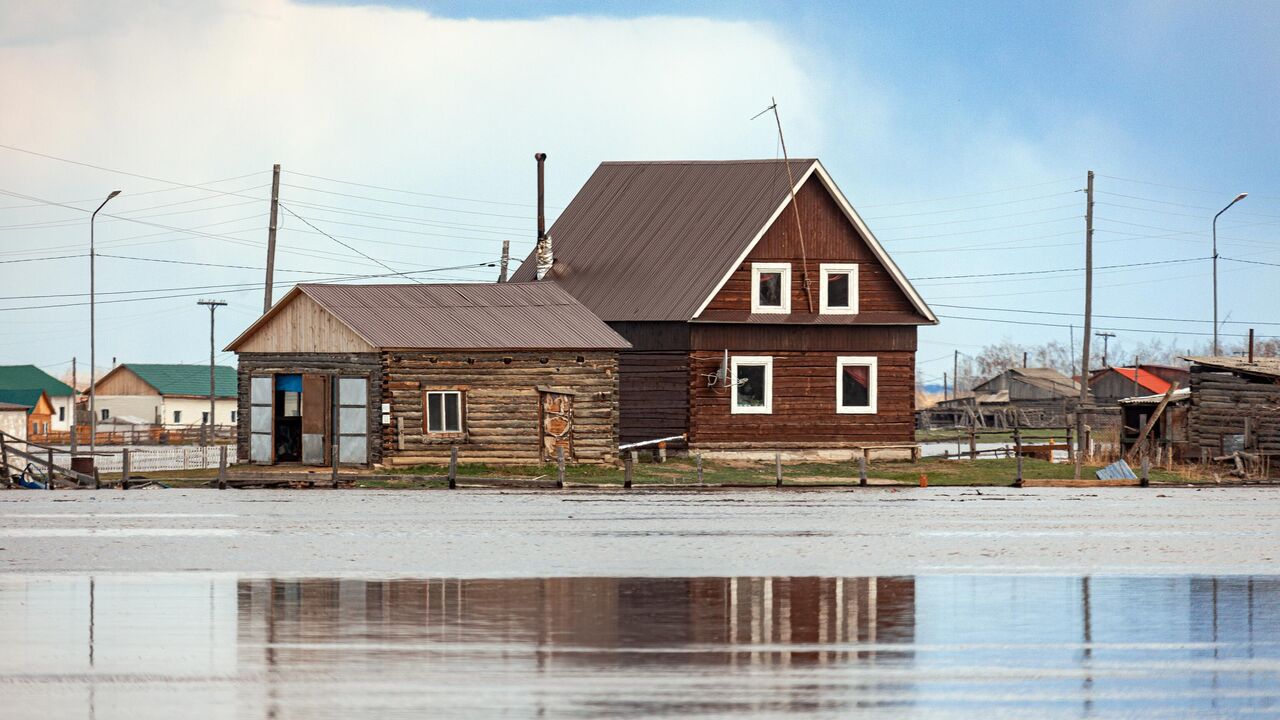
column 545, row 259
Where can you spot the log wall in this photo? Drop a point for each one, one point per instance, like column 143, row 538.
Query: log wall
column 1222, row 403
column 342, row 364
column 653, row 393
column 502, row 409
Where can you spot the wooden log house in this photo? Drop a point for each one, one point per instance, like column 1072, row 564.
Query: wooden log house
column 1235, row 406
column 751, row 328
column 508, row 373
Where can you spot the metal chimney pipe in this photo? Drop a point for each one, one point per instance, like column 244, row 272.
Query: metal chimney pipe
column 544, row 257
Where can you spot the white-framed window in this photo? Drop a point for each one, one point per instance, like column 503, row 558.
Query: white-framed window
column 856, row 385
column 444, row 411
column 752, row 385
column 839, row 290
column 771, row 288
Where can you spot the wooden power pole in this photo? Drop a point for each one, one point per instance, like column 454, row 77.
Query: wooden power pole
column 212, row 305
column 955, row 375
column 506, row 259
column 271, row 238
column 1088, row 319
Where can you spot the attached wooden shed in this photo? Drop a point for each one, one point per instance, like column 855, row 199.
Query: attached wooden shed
column 39, row 410
column 507, row 372
column 1235, row 406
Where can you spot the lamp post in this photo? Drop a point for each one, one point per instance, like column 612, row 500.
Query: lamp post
column 93, row 357
column 1237, row 199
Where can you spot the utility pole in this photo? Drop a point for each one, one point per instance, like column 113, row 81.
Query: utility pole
column 1238, row 198
column 944, row 385
column 1137, row 368
column 1088, row 317
column 1105, row 337
column 212, row 305
column 271, row 238
column 506, row 257
column 1072, row 341
column 955, row 375
column 76, row 405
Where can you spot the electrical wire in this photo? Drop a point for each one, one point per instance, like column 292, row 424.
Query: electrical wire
column 352, row 249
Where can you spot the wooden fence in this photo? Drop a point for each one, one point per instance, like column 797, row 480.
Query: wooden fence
column 143, row 435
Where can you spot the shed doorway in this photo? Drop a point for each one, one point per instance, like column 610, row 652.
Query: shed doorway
column 290, row 419
column 556, row 427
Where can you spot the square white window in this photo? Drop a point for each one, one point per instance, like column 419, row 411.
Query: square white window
column 752, row 385
column 856, row 385
column 839, row 290
column 771, row 288
column 444, row 411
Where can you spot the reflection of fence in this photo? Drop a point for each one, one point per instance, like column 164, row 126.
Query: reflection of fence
column 141, row 435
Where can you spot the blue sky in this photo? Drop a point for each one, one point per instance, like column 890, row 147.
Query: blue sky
column 962, row 132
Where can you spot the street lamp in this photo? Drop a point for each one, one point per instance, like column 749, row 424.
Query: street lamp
column 93, row 358
column 1237, row 199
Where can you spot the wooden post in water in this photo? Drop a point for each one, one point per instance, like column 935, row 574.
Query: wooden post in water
column 1146, row 471
column 1017, row 444
column 777, row 468
column 560, row 467
column 222, row 467
column 862, row 468
column 97, row 481
column 627, row 461
column 4, row 461
column 453, row 467
column 699, row 468
column 124, row 469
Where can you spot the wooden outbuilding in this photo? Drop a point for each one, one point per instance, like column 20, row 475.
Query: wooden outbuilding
column 398, row 374
column 1111, row 384
column 1169, row 434
column 755, row 323
column 39, row 410
column 1235, row 407
column 1026, row 397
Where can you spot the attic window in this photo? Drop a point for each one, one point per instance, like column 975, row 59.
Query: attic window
column 771, row 288
column 839, row 290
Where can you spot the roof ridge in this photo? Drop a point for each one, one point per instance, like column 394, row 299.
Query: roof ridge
column 738, row 161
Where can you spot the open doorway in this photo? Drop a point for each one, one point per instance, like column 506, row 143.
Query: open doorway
column 288, row 418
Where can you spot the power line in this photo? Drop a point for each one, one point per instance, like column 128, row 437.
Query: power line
column 984, row 218
column 1061, row 270
column 404, row 204
column 51, row 257
column 1185, row 189
column 1110, row 317
column 986, row 230
column 1251, row 262
column 969, row 195
column 415, row 192
column 971, row 207
column 352, row 249
column 1056, row 325
column 137, row 194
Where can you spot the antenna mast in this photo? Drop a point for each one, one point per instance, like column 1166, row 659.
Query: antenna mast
column 791, row 186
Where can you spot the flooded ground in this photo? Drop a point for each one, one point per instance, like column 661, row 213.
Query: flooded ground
column 210, row 646
column 878, row 602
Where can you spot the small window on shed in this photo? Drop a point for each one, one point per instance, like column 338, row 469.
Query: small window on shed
column 771, row 288
column 444, row 411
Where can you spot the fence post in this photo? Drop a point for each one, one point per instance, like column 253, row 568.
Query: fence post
column 973, row 443
column 222, row 467
column 699, row 468
column 777, row 468
column 1071, row 448
column 97, row 481
column 1017, row 444
column 1146, row 471
column 4, row 461
column 627, row 462
column 560, row 467
column 333, row 479
column 49, row 485
column 862, row 468
column 453, row 467
column 124, row 469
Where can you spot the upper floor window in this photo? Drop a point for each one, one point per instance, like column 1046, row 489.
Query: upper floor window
column 771, row 288
column 839, row 290
column 752, row 385
column 856, row 385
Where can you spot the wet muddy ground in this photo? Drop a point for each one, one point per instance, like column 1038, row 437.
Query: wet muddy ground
column 880, row 602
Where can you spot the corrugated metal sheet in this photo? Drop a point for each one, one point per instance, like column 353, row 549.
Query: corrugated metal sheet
column 505, row 316
column 649, row 241
column 1177, row 396
column 1118, row 470
column 1146, row 380
column 1268, row 367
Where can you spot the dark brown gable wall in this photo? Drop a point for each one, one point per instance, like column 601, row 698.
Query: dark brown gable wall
column 804, row 386
column 828, row 237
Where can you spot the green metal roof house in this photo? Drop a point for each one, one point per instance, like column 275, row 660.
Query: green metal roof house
column 173, row 395
column 32, row 378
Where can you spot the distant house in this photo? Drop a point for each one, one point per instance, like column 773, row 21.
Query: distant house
column 751, row 330
column 173, row 396
column 1108, row 385
column 1235, row 405
column 1030, row 397
column 28, row 377
column 13, row 419
column 508, row 373
column 38, row 409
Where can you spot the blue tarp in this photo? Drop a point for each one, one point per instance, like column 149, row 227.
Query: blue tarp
column 289, row 383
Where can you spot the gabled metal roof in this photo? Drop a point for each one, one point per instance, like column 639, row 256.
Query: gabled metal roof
column 471, row 316
column 654, row 241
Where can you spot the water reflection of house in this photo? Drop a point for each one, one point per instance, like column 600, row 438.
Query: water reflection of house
column 642, row 621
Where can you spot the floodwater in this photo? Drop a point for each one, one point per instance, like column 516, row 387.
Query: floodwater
column 211, row 645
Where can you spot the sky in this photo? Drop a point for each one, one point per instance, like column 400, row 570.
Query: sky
column 962, row 133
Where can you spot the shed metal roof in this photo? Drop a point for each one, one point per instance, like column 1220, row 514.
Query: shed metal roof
column 1145, row 379
column 470, row 316
column 27, row 398
column 21, row 377
column 654, row 241
column 181, row 379
column 1263, row 366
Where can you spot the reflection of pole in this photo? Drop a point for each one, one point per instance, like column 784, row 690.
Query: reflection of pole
column 1087, row 660
column 91, row 619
